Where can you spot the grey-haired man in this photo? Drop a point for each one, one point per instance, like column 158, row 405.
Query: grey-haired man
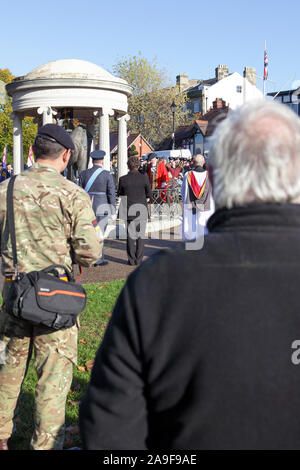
column 214, row 364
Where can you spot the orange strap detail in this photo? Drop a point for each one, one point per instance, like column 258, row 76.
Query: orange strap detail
column 64, row 292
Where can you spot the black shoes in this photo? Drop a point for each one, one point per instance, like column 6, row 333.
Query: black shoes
column 134, row 263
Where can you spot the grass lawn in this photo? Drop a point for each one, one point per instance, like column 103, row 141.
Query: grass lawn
column 101, row 300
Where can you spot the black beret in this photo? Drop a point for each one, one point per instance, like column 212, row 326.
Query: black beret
column 56, row 134
column 151, row 155
column 98, row 154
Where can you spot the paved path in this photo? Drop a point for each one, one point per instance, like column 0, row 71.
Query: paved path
column 115, row 254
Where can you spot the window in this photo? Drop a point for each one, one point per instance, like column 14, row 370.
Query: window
column 196, row 107
column 198, row 142
column 239, row 89
column 286, row 98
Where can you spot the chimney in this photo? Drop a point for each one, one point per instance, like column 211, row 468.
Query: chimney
column 221, row 72
column 219, row 103
column 182, row 81
column 250, row 74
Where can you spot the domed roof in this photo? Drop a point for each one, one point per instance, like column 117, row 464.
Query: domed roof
column 71, row 68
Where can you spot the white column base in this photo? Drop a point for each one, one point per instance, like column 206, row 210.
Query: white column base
column 122, row 145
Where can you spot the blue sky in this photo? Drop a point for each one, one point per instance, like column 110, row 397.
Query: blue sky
column 185, row 37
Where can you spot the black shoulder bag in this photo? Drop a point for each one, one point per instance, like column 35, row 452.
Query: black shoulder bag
column 41, row 297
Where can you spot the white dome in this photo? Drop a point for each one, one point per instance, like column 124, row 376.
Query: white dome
column 71, row 68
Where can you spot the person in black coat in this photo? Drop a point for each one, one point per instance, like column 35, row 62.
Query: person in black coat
column 134, row 189
column 203, row 347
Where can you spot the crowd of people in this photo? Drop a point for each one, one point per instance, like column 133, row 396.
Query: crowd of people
column 6, row 171
column 212, row 365
column 175, row 167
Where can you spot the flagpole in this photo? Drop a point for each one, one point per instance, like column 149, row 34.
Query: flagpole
column 4, row 157
column 264, row 82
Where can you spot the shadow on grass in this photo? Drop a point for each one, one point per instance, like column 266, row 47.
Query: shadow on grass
column 24, row 418
column 23, row 423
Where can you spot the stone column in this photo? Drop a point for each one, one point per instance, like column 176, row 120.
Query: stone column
column 90, row 161
column 18, row 158
column 104, row 143
column 47, row 113
column 122, row 145
column 91, row 128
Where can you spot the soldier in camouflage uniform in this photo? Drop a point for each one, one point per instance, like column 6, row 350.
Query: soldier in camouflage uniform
column 53, row 219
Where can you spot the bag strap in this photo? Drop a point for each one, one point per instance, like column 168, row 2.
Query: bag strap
column 53, row 270
column 12, row 232
column 92, row 179
column 11, row 220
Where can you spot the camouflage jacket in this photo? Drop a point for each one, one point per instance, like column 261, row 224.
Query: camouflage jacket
column 53, row 218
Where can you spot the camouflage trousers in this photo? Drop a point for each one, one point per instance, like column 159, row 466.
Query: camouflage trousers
column 54, row 356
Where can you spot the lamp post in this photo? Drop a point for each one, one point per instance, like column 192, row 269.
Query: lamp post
column 173, row 109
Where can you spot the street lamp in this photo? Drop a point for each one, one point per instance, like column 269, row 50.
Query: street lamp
column 173, row 109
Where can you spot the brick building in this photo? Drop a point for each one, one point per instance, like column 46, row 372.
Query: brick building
column 139, row 142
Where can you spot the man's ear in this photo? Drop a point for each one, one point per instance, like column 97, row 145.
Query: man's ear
column 66, row 155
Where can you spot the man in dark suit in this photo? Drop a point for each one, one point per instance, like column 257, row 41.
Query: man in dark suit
column 134, row 189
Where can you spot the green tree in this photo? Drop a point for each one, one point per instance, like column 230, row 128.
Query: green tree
column 149, row 105
column 6, row 124
column 132, row 151
column 6, row 130
column 6, row 75
column 143, row 75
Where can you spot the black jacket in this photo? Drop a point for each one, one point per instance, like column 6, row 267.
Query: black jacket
column 136, row 187
column 103, row 183
column 200, row 352
column 102, row 192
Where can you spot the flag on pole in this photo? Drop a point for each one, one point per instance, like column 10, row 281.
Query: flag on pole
column 30, row 159
column 4, row 157
column 265, row 65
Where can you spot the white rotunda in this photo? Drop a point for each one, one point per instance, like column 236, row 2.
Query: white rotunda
column 86, row 89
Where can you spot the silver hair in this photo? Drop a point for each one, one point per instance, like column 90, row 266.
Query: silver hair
column 255, row 155
column 199, row 159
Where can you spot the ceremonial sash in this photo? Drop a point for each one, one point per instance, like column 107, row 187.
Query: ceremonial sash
column 194, row 185
column 92, row 179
